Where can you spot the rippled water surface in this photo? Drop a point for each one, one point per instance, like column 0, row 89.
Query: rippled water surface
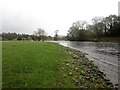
column 104, row 55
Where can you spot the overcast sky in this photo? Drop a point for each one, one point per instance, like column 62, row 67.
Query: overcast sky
column 25, row 16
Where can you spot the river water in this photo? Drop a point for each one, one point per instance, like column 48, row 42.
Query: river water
column 104, row 55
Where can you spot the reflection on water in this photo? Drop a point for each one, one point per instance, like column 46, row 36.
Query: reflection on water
column 104, row 55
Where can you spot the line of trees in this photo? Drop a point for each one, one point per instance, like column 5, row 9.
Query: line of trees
column 38, row 35
column 100, row 28
column 14, row 36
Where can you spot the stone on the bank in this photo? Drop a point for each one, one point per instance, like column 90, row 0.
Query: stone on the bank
column 70, row 74
column 76, row 68
column 67, row 64
column 75, row 56
column 63, row 68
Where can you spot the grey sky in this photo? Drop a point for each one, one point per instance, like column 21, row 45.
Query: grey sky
column 25, row 16
column 119, row 8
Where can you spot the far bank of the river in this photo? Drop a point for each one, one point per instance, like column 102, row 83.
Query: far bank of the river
column 110, row 39
column 29, row 64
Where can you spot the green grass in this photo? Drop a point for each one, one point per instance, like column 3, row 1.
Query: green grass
column 0, row 64
column 33, row 64
column 27, row 64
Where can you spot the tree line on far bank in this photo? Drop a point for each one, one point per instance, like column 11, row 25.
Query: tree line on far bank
column 38, row 35
column 101, row 27
column 15, row 36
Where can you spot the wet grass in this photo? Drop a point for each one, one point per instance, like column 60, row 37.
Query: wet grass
column 47, row 65
column 0, row 64
column 33, row 64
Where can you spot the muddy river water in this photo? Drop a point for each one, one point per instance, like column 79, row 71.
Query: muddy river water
column 104, row 54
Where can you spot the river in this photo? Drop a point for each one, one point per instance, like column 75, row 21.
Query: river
column 104, row 55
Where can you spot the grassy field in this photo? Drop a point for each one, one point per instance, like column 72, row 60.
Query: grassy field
column 28, row 64
column 33, row 64
column 0, row 64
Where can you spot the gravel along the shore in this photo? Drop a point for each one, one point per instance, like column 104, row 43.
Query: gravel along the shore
column 83, row 72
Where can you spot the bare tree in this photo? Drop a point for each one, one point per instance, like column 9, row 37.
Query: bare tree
column 35, row 33
column 96, row 20
column 80, row 25
column 40, row 34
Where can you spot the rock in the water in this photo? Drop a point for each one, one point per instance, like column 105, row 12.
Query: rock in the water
column 116, row 84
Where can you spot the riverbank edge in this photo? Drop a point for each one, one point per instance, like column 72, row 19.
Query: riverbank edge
column 76, row 54
column 109, row 39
